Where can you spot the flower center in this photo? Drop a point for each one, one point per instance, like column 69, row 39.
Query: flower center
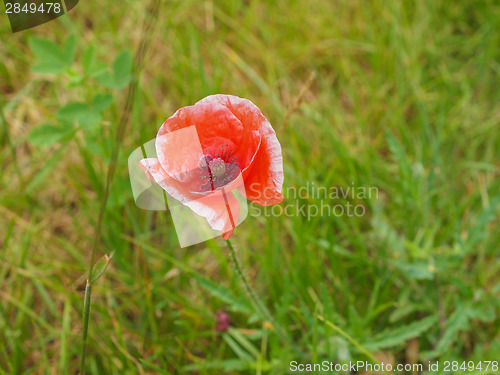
column 217, row 167
column 219, row 171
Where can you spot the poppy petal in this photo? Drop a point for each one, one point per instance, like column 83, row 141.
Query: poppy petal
column 220, row 209
column 222, row 213
column 192, row 132
column 264, row 177
column 176, row 189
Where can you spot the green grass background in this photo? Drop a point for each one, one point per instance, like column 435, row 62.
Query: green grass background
column 405, row 99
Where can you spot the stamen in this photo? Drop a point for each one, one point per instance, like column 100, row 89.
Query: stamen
column 219, row 171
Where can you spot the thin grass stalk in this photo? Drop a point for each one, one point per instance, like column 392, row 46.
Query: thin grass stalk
column 147, row 32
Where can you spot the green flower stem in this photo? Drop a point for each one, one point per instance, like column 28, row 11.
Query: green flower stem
column 261, row 308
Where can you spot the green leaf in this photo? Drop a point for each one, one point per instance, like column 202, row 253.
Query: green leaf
column 51, row 58
column 47, row 135
column 79, row 113
column 100, row 267
column 224, row 294
column 88, row 59
column 458, row 321
column 91, row 66
column 101, row 101
column 75, row 78
column 244, row 342
column 482, row 312
column 122, row 69
column 70, row 49
column 46, row 50
column 393, row 337
column 418, row 270
column 106, row 79
column 122, row 72
column 477, row 232
column 237, row 349
column 47, row 68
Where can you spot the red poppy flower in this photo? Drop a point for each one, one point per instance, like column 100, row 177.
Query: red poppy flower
column 207, row 150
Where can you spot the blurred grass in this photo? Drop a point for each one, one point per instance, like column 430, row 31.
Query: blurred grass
column 405, row 99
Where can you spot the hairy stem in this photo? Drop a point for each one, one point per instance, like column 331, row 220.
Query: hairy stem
column 261, row 308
